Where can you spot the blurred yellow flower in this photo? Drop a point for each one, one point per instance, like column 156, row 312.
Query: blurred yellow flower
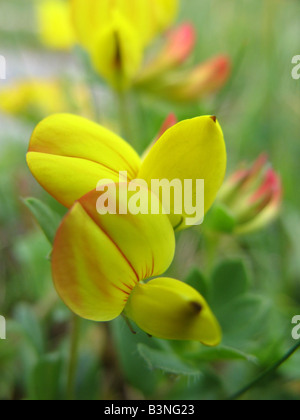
column 100, row 263
column 69, row 155
column 55, row 24
column 115, row 33
column 147, row 18
column 38, row 98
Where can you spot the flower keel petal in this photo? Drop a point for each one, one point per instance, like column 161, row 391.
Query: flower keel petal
column 98, row 259
column 172, row 310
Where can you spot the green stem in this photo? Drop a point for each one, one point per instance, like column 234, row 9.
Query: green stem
column 74, row 347
column 268, row 372
column 212, row 245
column 124, row 116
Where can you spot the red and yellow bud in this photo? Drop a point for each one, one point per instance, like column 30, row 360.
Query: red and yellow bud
column 253, row 196
column 203, row 80
column 178, row 46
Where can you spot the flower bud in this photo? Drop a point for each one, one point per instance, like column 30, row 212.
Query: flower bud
column 178, row 46
column 253, row 196
column 204, row 79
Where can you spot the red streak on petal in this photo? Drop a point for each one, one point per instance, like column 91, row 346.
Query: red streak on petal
column 169, row 122
column 270, row 188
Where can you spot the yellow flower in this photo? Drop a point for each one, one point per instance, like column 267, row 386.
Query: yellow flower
column 117, row 52
column 147, row 18
column 100, row 263
column 38, row 98
column 69, row 155
column 55, row 24
column 115, row 33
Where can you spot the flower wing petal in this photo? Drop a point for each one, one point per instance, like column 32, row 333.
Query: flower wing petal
column 190, row 150
column 69, row 155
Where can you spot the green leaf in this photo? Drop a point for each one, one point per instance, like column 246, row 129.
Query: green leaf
column 133, row 365
column 48, row 219
column 167, row 362
column 30, row 251
column 45, row 380
column 229, row 280
column 221, row 353
column 243, row 314
column 240, row 314
column 197, row 280
column 88, row 377
column 26, row 322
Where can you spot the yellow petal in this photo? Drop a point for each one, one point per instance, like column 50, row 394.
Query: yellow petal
column 117, row 32
column 55, row 25
column 147, row 17
column 193, row 149
column 117, row 52
column 166, row 11
column 172, row 310
column 141, row 15
column 98, row 259
column 69, row 155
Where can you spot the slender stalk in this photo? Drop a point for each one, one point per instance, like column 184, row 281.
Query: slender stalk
column 212, row 245
column 124, row 116
column 74, row 347
column 265, row 374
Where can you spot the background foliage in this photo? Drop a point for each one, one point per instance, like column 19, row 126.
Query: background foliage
column 252, row 282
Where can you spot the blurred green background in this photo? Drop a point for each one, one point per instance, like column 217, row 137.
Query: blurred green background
column 259, row 275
